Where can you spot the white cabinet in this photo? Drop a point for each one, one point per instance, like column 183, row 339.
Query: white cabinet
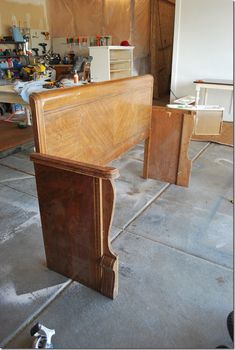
column 111, row 62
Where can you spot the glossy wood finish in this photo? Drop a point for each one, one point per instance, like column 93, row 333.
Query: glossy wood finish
column 77, row 132
column 168, row 161
column 76, row 206
column 95, row 123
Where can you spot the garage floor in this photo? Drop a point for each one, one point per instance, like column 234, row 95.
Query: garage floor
column 175, row 247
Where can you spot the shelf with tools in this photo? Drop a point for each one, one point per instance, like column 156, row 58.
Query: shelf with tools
column 10, row 42
column 111, row 62
column 12, row 59
column 12, row 56
column 119, row 70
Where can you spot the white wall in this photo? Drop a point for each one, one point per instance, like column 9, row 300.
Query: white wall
column 203, row 48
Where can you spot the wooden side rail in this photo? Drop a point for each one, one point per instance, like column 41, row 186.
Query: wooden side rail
column 170, row 136
column 76, row 205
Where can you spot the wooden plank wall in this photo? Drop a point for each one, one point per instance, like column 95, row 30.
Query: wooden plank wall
column 161, row 44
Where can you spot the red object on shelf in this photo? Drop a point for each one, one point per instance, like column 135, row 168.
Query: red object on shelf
column 125, row 43
column 98, row 37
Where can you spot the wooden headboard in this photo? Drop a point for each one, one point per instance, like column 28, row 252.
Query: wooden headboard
column 93, row 123
column 77, row 132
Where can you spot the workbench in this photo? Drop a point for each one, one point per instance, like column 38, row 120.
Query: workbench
column 9, row 95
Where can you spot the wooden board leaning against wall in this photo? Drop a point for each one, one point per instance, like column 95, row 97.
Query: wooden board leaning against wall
column 161, row 45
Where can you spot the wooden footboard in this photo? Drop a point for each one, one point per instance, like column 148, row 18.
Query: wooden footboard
column 76, row 205
column 77, row 132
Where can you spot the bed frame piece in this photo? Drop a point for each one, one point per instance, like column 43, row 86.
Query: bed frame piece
column 170, row 135
column 78, row 131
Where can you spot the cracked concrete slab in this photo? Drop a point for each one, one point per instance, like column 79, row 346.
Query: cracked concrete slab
column 198, row 219
column 26, row 185
column 167, row 299
column 25, row 282
column 10, row 175
column 19, row 161
column 195, row 148
column 15, row 209
column 195, row 231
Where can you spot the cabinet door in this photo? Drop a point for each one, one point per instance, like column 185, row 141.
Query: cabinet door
column 100, row 70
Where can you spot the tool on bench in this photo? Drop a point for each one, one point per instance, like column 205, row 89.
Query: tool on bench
column 42, row 336
column 43, row 45
column 52, row 84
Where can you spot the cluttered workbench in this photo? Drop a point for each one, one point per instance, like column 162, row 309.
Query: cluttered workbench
column 24, row 70
column 18, row 91
column 9, row 95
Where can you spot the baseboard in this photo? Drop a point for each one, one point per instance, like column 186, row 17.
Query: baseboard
column 225, row 138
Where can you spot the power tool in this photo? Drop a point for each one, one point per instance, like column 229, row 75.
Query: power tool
column 42, row 336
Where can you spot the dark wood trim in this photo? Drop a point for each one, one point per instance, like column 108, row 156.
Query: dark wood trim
column 103, row 172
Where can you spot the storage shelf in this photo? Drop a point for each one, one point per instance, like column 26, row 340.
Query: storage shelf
column 119, row 70
column 111, row 62
column 12, row 42
column 16, row 68
column 12, row 56
column 116, row 60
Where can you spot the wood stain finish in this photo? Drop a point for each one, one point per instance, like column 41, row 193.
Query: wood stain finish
column 77, row 132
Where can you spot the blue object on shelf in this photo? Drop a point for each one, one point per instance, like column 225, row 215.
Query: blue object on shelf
column 17, row 64
column 18, row 37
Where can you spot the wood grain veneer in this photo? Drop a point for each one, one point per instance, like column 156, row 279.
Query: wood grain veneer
column 171, row 131
column 94, row 123
column 77, row 132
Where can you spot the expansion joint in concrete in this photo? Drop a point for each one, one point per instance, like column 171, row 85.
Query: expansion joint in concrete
column 181, row 251
column 36, row 314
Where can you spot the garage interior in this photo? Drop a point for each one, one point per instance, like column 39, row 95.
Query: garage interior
column 174, row 242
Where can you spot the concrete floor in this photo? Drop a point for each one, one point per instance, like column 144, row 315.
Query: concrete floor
column 175, row 247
